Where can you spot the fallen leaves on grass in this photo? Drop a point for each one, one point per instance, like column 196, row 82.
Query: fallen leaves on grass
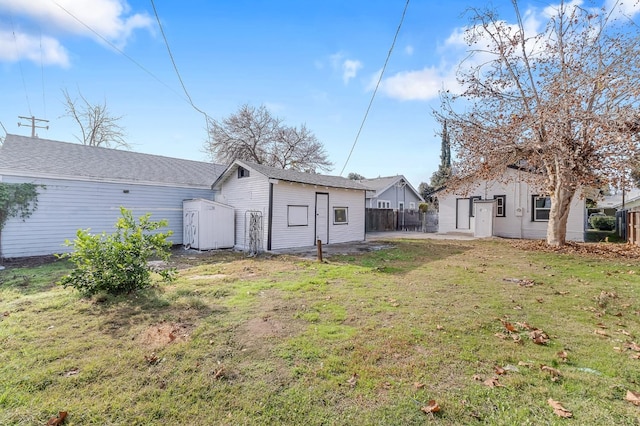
column 152, row 359
column 600, row 250
column 499, row 370
column 431, row 407
column 559, row 410
column 353, row 380
column 601, row 333
column 219, row 373
column 58, row 420
column 71, row 372
column 563, row 355
column 522, row 282
column 555, row 374
column 493, row 382
column 418, row 385
column 539, row 337
column 633, row 397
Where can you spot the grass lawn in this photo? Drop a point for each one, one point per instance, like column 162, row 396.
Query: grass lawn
column 366, row 339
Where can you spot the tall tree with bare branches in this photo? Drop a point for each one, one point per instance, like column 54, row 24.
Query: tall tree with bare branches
column 98, row 127
column 255, row 135
column 562, row 102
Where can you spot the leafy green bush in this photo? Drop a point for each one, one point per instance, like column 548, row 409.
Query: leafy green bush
column 118, row 263
column 603, row 223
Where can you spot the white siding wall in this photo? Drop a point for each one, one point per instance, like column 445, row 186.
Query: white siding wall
column 247, row 193
column 354, row 231
column 64, row 206
column 285, row 194
column 518, row 209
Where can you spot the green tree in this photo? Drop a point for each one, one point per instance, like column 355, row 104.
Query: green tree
column 442, row 175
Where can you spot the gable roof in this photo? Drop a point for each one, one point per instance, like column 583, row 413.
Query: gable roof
column 291, row 176
column 381, row 184
column 35, row 157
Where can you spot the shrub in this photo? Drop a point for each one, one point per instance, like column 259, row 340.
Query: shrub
column 118, row 263
column 603, row 223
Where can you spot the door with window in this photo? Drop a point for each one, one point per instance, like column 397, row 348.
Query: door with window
column 322, row 218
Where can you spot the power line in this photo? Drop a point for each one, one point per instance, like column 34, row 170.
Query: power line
column 114, row 47
column 377, row 85
column 175, row 67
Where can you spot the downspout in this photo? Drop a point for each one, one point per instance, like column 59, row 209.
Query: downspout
column 270, row 221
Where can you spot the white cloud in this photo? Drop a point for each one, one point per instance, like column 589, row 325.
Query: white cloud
column 350, row 69
column 408, row 50
column 109, row 18
column 424, row 84
column 347, row 67
column 25, row 46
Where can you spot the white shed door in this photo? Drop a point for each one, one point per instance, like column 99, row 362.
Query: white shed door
column 322, row 218
column 462, row 213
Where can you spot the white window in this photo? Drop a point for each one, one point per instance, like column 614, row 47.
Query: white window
column 298, row 215
column 412, row 206
column 242, row 172
column 340, row 215
column 500, row 203
column 541, row 208
column 383, row 204
column 401, row 206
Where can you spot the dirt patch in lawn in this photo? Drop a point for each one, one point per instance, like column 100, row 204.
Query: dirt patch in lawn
column 160, row 335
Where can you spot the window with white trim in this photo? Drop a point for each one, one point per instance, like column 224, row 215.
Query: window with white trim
column 412, row 206
column 541, row 208
column 340, row 215
column 242, row 172
column 401, row 206
column 384, row 204
column 500, row 205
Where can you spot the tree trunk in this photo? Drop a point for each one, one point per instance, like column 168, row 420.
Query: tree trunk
column 558, row 215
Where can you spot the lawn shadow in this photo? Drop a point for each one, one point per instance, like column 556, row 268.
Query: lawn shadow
column 31, row 278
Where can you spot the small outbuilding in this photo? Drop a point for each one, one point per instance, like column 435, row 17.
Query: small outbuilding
column 281, row 209
column 207, row 225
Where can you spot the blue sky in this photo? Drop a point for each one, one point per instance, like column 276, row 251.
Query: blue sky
column 312, row 62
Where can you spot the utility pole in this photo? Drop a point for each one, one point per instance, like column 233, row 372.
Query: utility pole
column 33, row 124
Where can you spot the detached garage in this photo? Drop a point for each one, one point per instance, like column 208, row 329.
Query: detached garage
column 280, row 209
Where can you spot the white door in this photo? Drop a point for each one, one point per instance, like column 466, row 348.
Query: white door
column 483, row 217
column 322, row 218
column 462, row 213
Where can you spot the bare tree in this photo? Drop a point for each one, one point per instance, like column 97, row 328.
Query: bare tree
column 98, row 126
column 253, row 134
column 563, row 102
column 355, row 176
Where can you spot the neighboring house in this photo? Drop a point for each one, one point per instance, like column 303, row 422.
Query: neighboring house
column 84, row 187
column 392, row 192
column 510, row 208
column 281, row 209
column 621, row 200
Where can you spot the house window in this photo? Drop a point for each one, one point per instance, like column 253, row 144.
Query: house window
column 500, row 203
column 401, row 206
column 242, row 172
column 298, row 215
column 340, row 215
column 472, row 200
column 412, row 206
column 541, row 208
column 383, row 204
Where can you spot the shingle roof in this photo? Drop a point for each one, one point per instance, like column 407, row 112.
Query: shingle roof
column 21, row 155
column 296, row 176
column 381, row 184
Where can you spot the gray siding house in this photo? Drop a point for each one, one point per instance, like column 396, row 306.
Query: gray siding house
column 281, row 209
column 392, row 192
column 84, row 187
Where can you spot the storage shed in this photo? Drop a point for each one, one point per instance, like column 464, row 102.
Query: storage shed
column 207, row 225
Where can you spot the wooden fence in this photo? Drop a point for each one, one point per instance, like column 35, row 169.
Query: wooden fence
column 377, row 220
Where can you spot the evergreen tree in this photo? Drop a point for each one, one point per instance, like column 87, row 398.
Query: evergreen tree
column 440, row 177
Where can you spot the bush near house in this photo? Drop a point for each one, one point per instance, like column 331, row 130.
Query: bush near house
column 603, row 223
column 119, row 262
